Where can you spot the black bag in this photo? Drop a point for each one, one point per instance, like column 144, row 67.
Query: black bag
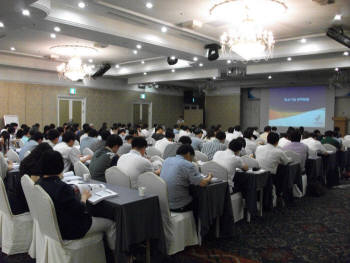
column 316, row 189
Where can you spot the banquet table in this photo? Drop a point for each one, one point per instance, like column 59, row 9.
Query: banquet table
column 251, row 182
column 212, row 205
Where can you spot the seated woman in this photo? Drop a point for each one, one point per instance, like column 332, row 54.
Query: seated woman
column 73, row 219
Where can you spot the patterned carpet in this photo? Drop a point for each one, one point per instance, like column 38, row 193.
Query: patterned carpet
column 313, row 230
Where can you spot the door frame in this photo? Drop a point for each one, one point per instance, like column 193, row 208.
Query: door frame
column 72, row 98
column 141, row 102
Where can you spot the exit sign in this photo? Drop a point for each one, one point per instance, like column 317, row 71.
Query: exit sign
column 143, row 96
column 72, row 91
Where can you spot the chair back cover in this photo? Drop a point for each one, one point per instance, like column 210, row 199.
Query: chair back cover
column 13, row 156
column 170, row 150
column 28, row 189
column 80, row 169
column 116, row 177
column 252, row 163
column 156, row 158
column 330, row 147
column 88, row 151
column 215, row 169
column 3, row 166
column 4, row 201
column 152, row 151
column 201, row 156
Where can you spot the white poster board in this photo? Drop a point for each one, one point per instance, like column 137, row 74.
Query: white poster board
column 10, row 119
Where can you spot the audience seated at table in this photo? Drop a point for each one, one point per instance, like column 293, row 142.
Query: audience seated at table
column 134, row 163
column 218, row 144
column 163, row 143
column 179, row 172
column 197, row 142
column 285, row 138
column 170, row 150
column 251, row 144
column 184, row 131
column 4, row 142
column 158, row 134
column 237, row 132
column 229, row 134
column 297, row 147
column 101, row 143
column 315, row 147
column 329, row 139
column 89, row 141
column 36, row 138
column 105, row 158
column 263, row 136
column 231, row 160
column 73, row 219
column 52, row 137
column 126, row 147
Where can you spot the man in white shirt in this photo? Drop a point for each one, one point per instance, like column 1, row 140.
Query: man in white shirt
column 267, row 130
column 230, row 160
column 269, row 156
column 229, row 134
column 315, row 146
column 284, row 141
column 133, row 164
column 197, row 142
column 69, row 153
column 251, row 145
column 52, row 137
column 163, row 143
column 218, row 144
column 237, row 132
column 184, row 131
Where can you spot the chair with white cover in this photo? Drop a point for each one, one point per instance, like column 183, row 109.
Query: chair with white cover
column 80, row 169
column 330, row 147
column 150, row 141
column 15, row 230
column 26, row 154
column 156, row 158
column 346, row 144
column 152, row 151
column 201, row 156
column 88, row 151
column 347, row 137
column 13, row 156
column 55, row 250
column 252, row 163
column 116, row 177
column 215, row 169
column 3, row 166
column 179, row 228
column 38, row 240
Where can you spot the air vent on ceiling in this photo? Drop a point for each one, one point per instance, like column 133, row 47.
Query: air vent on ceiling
column 324, row 2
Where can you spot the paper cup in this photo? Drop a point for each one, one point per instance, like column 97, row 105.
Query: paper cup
column 142, row 191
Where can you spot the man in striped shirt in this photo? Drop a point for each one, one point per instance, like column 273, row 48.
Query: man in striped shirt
column 218, row 144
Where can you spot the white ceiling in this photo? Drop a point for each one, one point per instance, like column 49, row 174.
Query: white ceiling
column 120, row 25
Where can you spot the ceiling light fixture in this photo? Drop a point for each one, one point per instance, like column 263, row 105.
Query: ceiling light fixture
column 336, row 69
column 195, row 59
column 346, row 53
column 138, row 46
column 173, row 70
column 2, row 24
column 164, row 29
column 74, row 50
column 145, row 73
column 149, row 5
column 135, row 52
column 13, row 48
column 229, row 61
column 52, row 35
column 57, row 29
column 270, row 77
column 303, row 40
column 116, row 66
column 90, row 60
column 214, row 78
column 338, row 17
column 81, row 4
column 142, row 62
column 289, row 59
column 201, row 64
column 25, row 12
column 74, row 70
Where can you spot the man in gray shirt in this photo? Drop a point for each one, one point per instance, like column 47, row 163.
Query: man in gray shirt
column 179, row 172
column 197, row 142
column 90, row 141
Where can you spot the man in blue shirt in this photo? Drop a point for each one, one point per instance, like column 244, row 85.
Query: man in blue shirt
column 90, row 141
column 197, row 142
column 179, row 172
column 35, row 139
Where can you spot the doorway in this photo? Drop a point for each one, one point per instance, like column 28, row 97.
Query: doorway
column 71, row 109
column 142, row 113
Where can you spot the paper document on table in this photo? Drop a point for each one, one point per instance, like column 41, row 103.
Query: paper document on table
column 98, row 192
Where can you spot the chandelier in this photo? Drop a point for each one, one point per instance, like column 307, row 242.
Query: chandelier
column 248, row 40
column 247, row 37
column 74, row 70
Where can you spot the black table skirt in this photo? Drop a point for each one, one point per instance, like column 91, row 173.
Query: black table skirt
column 211, row 202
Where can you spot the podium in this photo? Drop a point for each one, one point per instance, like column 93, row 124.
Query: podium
column 342, row 123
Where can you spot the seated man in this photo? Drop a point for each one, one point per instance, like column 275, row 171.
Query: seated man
column 73, row 219
column 100, row 144
column 171, row 149
column 251, row 145
column 35, row 139
column 218, row 144
column 229, row 134
column 179, row 172
column 89, row 141
column 163, row 143
column 159, row 133
column 314, row 145
column 126, row 147
column 328, row 139
column 52, row 137
column 66, row 149
column 134, row 163
column 230, row 159
column 267, row 130
column 105, row 158
column 298, row 147
column 197, row 142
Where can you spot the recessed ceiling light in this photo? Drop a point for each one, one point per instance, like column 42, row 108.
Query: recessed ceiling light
column 138, row 46
column 201, row 64
column 214, row 78
column 81, row 4
column 270, row 77
column 346, row 53
column 195, row 59
column 149, row 5
column 145, row 73
column 303, row 40
column 57, row 29
column 229, row 72
column 164, row 29
column 173, row 70
column 172, row 57
column 25, row 12
column 90, row 60
column 336, row 69
column 142, row 62
column 52, row 35
column 54, row 56
column 337, row 17
column 229, row 61
column 92, row 66
column 116, row 66
column 1, row 24
column 289, row 59
column 134, row 51
column 13, row 48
